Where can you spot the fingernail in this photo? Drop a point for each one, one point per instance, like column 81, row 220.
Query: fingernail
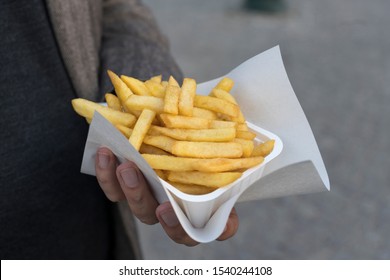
column 130, row 177
column 169, row 218
column 103, row 160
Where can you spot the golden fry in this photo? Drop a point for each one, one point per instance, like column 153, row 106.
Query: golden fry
column 216, row 105
column 203, row 135
column 171, row 100
column 247, row 146
column 245, row 135
column 226, row 164
column 157, row 79
column 186, row 100
column 172, row 81
column 206, row 149
column 177, row 121
column 155, row 88
column 242, row 127
column 225, row 84
column 204, row 113
column 162, row 174
column 136, row 86
column 208, row 179
column 222, row 124
column 87, row 108
column 149, row 149
column 113, row 101
column 263, row 149
column 126, row 131
column 141, row 128
column 163, row 142
column 222, row 94
column 172, row 163
column 121, row 89
column 137, row 102
column 192, row 189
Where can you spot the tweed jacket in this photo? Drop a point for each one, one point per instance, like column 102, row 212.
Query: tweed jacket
column 121, row 35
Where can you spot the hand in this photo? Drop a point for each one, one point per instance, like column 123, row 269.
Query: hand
column 126, row 182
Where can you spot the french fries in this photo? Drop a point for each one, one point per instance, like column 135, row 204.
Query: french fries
column 196, row 143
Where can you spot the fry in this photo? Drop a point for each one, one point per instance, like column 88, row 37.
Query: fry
column 155, row 88
column 87, row 108
column 176, row 121
column 141, row 128
column 163, row 142
column 214, row 180
column 226, row 84
column 149, row 149
column 192, row 189
column 226, row 164
column 247, row 146
column 157, row 78
column 224, row 95
column 121, row 89
column 113, row 101
column 212, row 135
column 186, row 101
column 206, row 149
column 216, row 105
column 172, row 163
column 172, row 81
column 137, row 102
column 136, row 86
column 263, row 149
column 242, row 127
column 245, row 135
column 222, row 124
column 126, row 131
column 162, row 174
column 203, row 113
column 171, row 100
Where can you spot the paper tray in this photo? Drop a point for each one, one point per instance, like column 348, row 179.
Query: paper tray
column 199, row 210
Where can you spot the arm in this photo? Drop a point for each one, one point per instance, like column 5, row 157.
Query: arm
column 132, row 44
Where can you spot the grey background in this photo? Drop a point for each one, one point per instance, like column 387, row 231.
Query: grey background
column 337, row 57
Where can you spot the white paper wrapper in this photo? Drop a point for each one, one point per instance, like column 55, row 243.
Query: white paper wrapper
column 269, row 104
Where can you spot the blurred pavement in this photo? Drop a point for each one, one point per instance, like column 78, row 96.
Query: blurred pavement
column 337, row 56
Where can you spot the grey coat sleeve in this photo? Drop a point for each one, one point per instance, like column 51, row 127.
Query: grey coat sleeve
column 132, row 43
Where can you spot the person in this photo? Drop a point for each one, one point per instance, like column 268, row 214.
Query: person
column 51, row 52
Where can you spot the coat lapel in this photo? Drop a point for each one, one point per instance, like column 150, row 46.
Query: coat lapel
column 77, row 27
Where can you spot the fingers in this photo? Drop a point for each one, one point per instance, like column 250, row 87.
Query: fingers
column 231, row 226
column 125, row 182
column 105, row 166
column 137, row 192
column 171, row 225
